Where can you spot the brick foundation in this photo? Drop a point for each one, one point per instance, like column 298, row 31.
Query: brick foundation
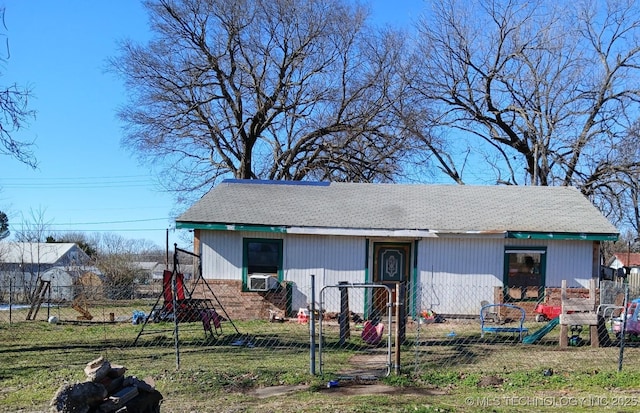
column 551, row 297
column 243, row 305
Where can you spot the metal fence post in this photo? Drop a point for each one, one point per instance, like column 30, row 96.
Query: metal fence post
column 623, row 327
column 312, row 328
column 10, row 298
column 343, row 317
column 399, row 312
column 174, row 302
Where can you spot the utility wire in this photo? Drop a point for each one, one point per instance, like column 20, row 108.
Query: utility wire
column 110, row 222
column 111, row 230
column 83, row 182
column 79, row 178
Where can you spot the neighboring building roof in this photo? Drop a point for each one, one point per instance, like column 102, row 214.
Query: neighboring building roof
column 146, row 265
column 36, row 252
column 395, row 209
column 156, row 269
column 624, row 259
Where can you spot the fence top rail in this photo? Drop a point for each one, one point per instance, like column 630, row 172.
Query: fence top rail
column 357, row 285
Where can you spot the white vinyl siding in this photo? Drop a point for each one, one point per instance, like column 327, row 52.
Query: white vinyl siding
column 330, row 258
column 571, row 261
column 454, row 274
column 222, row 252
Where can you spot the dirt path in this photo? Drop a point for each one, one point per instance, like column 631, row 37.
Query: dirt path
column 372, row 365
column 359, row 377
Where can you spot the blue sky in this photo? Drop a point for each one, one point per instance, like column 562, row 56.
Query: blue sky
column 85, row 182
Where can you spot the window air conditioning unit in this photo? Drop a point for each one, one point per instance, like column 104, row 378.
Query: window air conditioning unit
column 262, row 282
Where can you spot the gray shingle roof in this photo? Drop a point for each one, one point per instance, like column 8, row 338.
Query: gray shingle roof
column 437, row 208
column 34, row 252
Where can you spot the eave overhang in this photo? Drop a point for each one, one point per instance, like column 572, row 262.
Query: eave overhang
column 405, row 233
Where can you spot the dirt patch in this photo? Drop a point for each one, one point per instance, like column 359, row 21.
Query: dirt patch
column 370, row 364
column 348, row 389
column 358, row 378
column 490, row 381
column 265, row 392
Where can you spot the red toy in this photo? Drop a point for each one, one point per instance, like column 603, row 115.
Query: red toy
column 372, row 333
column 547, row 312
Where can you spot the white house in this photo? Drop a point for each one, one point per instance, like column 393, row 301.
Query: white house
column 451, row 246
column 626, row 264
column 630, row 260
column 24, row 263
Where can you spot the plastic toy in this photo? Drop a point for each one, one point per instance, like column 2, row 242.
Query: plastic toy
column 547, row 312
column 372, row 332
column 541, row 332
column 632, row 325
column 575, row 340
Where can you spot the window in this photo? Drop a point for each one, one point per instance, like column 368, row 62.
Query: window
column 524, row 277
column 262, row 256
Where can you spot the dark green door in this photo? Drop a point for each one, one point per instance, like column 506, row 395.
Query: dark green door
column 390, row 267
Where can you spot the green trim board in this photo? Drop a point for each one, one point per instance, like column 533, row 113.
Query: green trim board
column 367, row 279
column 414, row 281
column 509, row 234
column 561, row 236
column 230, row 227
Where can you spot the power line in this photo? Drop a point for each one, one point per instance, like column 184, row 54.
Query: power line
column 78, row 185
column 83, row 182
column 45, row 178
column 113, row 230
column 115, row 222
column 127, row 208
column 75, row 186
column 99, row 222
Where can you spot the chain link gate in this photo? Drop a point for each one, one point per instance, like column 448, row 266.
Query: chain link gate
column 371, row 349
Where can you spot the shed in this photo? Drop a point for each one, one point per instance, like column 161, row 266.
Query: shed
column 451, row 246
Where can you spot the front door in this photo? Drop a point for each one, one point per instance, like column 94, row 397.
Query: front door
column 390, row 267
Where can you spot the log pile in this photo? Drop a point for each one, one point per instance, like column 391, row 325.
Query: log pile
column 107, row 390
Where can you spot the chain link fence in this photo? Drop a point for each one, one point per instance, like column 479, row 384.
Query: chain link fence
column 354, row 333
column 498, row 338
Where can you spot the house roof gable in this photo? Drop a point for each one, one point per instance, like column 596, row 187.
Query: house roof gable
column 36, row 252
column 627, row 259
column 393, row 207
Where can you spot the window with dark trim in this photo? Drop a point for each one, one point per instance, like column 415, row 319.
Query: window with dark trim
column 524, row 273
column 262, row 256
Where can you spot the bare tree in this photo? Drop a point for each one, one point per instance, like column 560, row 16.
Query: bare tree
column 35, row 228
column 537, row 92
column 627, row 189
column 272, row 89
column 29, row 235
column 86, row 242
column 117, row 259
column 14, row 113
column 4, row 226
